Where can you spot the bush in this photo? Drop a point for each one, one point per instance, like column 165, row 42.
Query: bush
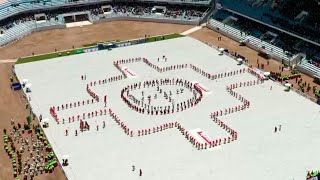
column 29, row 120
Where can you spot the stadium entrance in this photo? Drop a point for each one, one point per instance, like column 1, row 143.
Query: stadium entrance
column 77, row 19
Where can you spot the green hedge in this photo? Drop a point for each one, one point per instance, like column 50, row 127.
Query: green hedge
column 47, row 56
column 167, row 36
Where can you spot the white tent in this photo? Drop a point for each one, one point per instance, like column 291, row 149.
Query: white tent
column 28, row 85
column 24, row 81
column 45, row 120
column 288, row 86
column 65, row 156
column 239, row 59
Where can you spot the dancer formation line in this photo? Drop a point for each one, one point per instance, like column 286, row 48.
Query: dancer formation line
column 144, row 105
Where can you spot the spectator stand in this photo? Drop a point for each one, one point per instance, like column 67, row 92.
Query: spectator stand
column 144, row 12
column 1, row 32
column 298, row 18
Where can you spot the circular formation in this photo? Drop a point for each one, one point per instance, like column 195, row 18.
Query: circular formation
column 181, row 95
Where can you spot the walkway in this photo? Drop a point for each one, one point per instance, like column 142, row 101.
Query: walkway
column 194, row 29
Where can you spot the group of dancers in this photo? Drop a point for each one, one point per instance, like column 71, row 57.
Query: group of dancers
column 84, row 126
column 164, row 69
column 145, row 107
column 124, row 127
column 88, row 115
column 92, row 94
column 126, row 61
column 30, row 153
column 104, row 81
column 216, row 76
column 75, row 104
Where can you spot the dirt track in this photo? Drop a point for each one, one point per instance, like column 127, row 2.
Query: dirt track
column 48, row 41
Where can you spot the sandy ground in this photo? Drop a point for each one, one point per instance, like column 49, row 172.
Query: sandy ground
column 112, row 152
column 48, row 41
column 60, row 39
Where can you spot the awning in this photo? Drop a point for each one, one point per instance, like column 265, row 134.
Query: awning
column 28, row 85
column 65, row 156
column 45, row 120
column 287, row 85
column 221, row 49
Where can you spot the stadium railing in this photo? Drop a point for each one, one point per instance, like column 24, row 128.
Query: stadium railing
column 251, row 41
column 308, row 68
column 24, row 28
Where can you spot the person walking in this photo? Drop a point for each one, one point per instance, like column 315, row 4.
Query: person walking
column 140, row 172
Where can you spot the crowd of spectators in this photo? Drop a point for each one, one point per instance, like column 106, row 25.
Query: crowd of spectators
column 170, row 10
column 175, row 11
column 10, row 22
column 283, row 13
column 136, row 9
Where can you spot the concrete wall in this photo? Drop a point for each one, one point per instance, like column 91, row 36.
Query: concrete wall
column 172, row 21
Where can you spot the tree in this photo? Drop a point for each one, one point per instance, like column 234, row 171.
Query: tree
column 29, row 120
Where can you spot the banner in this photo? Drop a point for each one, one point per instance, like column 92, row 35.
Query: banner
column 88, row 50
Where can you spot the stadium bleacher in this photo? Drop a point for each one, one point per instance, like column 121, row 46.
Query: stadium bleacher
column 14, row 28
column 281, row 45
column 299, row 17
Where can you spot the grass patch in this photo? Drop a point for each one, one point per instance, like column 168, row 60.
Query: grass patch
column 163, row 37
column 89, row 45
column 47, row 56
